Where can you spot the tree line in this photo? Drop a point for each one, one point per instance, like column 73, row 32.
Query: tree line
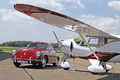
column 21, row 44
column 16, row 43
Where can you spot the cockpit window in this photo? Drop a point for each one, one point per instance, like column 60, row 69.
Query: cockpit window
column 91, row 41
column 79, row 41
column 38, row 45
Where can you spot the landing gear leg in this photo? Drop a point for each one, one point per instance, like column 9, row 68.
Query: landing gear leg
column 104, row 66
column 66, row 65
column 65, row 56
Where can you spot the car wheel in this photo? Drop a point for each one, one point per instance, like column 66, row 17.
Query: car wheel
column 43, row 63
column 56, row 63
column 16, row 64
column 34, row 64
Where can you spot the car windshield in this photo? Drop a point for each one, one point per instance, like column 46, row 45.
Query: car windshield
column 38, row 45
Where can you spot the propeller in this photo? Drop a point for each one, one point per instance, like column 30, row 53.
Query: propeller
column 71, row 49
column 59, row 43
column 71, row 46
column 55, row 36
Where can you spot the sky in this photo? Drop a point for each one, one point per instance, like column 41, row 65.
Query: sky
column 16, row 26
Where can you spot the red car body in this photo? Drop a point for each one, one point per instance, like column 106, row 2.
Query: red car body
column 37, row 53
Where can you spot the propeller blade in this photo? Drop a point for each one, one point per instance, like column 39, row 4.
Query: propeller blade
column 71, row 46
column 59, row 43
column 55, row 36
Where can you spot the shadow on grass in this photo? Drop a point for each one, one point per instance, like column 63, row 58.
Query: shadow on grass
column 4, row 56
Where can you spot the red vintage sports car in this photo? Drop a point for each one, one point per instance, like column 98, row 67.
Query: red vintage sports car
column 36, row 53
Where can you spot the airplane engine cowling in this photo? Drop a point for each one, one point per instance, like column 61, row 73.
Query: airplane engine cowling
column 96, row 69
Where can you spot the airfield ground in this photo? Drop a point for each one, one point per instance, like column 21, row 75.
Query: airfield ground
column 29, row 72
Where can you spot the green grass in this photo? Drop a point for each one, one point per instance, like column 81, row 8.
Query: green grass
column 60, row 53
column 10, row 49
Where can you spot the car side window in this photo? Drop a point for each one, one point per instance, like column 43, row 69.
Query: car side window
column 51, row 48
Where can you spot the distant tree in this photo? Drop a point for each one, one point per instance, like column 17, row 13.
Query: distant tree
column 16, row 43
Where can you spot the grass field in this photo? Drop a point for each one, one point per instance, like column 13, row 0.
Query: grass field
column 10, row 49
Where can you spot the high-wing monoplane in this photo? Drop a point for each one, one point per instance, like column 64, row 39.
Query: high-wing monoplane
column 93, row 44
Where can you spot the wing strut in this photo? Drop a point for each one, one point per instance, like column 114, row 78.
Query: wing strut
column 88, row 46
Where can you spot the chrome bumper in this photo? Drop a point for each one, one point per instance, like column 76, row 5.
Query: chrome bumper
column 25, row 60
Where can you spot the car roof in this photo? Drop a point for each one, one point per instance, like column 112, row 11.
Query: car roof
column 41, row 42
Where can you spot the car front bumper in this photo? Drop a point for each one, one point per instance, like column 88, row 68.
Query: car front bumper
column 25, row 61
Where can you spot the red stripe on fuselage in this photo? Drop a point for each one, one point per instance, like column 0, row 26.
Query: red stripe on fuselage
column 103, row 56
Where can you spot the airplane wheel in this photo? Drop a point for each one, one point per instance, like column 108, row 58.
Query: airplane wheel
column 94, row 73
column 56, row 63
column 107, row 71
column 43, row 63
column 16, row 64
column 66, row 68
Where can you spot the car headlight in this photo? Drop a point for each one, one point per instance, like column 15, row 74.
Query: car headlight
column 38, row 54
column 14, row 52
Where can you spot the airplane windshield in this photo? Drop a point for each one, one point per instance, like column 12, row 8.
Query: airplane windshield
column 79, row 41
column 38, row 45
column 91, row 41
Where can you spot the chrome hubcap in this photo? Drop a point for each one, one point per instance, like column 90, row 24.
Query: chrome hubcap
column 43, row 62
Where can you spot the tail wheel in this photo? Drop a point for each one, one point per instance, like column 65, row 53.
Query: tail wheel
column 56, row 63
column 16, row 64
column 43, row 63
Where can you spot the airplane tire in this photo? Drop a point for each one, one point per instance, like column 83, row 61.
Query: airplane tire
column 107, row 71
column 98, row 73
column 94, row 73
column 66, row 68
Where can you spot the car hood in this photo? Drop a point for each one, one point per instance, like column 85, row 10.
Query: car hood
column 27, row 53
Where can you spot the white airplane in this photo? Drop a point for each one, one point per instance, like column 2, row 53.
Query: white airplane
column 92, row 44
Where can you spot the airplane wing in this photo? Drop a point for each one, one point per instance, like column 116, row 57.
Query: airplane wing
column 61, row 21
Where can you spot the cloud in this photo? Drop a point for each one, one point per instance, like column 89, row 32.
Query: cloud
column 114, row 4
column 80, row 4
column 106, row 24
column 50, row 4
column 88, row 16
column 9, row 15
column 19, row 25
column 75, row 3
column 116, row 35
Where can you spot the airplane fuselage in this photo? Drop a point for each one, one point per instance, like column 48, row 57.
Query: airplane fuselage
column 107, row 53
